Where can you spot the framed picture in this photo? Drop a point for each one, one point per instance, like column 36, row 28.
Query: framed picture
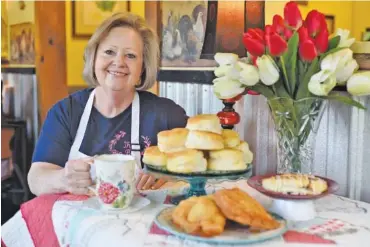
column 192, row 32
column 302, row 2
column 88, row 15
column 4, row 40
column 22, row 43
column 366, row 34
column 330, row 22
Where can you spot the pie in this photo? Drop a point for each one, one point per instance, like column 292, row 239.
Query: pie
column 240, row 207
column 295, row 184
column 199, row 216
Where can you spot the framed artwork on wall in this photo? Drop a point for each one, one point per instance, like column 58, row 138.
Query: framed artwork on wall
column 88, row 15
column 4, row 40
column 192, row 32
column 366, row 34
column 330, row 22
column 302, row 2
column 22, row 43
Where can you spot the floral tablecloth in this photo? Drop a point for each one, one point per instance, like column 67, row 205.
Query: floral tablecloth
column 340, row 221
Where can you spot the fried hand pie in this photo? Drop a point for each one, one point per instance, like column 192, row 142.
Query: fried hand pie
column 240, row 207
column 199, row 216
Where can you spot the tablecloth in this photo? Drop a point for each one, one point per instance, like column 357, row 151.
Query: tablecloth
column 339, row 222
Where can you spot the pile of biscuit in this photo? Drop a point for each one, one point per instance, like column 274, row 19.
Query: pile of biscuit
column 201, row 146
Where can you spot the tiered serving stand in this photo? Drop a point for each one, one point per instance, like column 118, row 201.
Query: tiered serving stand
column 197, row 180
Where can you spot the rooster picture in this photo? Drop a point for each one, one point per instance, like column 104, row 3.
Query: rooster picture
column 183, row 32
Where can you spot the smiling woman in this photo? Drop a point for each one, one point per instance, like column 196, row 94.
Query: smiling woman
column 116, row 115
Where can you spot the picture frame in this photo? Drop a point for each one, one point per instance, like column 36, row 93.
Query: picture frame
column 330, row 22
column 88, row 15
column 223, row 26
column 22, row 43
column 4, row 40
column 305, row 3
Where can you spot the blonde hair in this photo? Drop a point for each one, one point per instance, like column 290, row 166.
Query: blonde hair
column 150, row 49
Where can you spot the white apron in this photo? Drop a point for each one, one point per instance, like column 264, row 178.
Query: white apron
column 74, row 153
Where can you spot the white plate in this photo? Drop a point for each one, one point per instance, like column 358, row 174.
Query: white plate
column 138, row 203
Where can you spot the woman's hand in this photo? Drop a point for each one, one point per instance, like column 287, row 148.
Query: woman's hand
column 146, row 182
column 77, row 176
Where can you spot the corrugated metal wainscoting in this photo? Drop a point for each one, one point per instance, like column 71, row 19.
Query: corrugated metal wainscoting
column 342, row 145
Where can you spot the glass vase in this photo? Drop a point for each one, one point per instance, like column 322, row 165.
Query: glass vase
column 296, row 124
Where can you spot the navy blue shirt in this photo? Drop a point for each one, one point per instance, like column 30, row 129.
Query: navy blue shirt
column 103, row 135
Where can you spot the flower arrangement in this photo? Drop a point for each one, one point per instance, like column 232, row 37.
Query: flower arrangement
column 295, row 65
column 292, row 58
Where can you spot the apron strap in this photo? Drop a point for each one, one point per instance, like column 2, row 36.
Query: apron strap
column 74, row 153
column 135, row 134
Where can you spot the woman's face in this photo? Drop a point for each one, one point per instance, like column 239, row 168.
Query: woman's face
column 119, row 59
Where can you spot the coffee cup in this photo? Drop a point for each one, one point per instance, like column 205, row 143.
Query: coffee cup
column 115, row 180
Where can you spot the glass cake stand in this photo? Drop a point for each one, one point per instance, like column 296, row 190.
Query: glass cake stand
column 197, row 180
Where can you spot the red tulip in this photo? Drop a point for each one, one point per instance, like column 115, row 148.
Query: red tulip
column 292, row 15
column 278, row 24
column 254, row 42
column 307, row 50
column 303, row 34
column 322, row 41
column 315, row 23
column 276, row 44
column 287, row 33
column 313, row 36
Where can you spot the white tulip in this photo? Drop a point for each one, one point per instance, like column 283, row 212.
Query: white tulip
column 341, row 63
column 344, row 38
column 249, row 74
column 229, row 70
column 268, row 70
column 359, row 84
column 322, row 83
column 225, row 88
column 226, row 58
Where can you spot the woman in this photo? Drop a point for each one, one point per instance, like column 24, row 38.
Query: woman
column 121, row 61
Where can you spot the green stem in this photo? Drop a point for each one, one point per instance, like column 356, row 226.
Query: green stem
column 285, row 75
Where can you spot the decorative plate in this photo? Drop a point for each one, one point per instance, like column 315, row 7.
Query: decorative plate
column 256, row 183
column 206, row 174
column 137, row 203
column 234, row 233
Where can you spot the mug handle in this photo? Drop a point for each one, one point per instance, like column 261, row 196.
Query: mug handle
column 93, row 190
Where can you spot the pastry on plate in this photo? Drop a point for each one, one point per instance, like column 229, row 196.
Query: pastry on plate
column 247, row 154
column 153, row 156
column 199, row 216
column 173, row 140
column 238, row 206
column 204, row 140
column 231, row 138
column 226, row 160
column 205, row 122
column 186, row 161
column 295, row 184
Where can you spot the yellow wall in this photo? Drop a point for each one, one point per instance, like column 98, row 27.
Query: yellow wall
column 16, row 15
column 360, row 18
column 75, row 47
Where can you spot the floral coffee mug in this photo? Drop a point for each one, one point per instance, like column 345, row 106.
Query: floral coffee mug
column 115, row 180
